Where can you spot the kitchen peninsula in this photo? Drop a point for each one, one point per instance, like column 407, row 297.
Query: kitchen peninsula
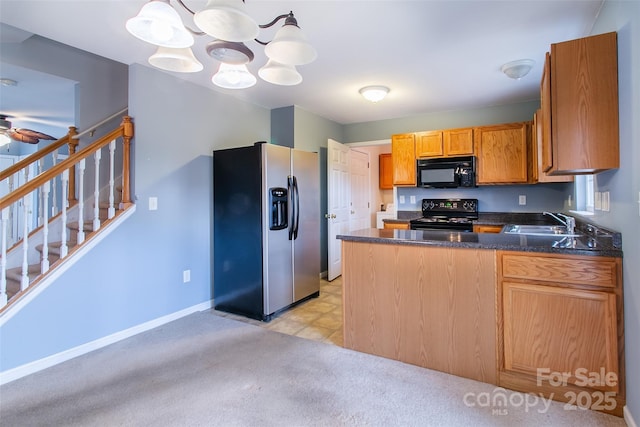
column 499, row 308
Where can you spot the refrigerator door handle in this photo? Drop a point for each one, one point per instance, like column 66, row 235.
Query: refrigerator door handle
column 296, row 207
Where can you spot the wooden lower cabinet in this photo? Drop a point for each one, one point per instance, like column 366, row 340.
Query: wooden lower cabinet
column 429, row 306
column 479, row 228
column 396, row 225
column 561, row 322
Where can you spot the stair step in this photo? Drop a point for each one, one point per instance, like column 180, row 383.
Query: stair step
column 86, row 226
column 14, row 277
column 54, row 247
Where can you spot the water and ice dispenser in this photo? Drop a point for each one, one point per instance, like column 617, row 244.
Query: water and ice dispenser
column 278, row 203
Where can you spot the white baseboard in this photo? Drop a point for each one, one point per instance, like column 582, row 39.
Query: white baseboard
column 47, row 362
column 628, row 418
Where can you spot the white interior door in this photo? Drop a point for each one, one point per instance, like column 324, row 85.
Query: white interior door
column 360, row 182
column 338, row 189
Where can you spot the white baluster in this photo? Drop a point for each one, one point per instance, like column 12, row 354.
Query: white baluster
column 4, row 217
column 44, row 262
column 111, row 212
column 54, row 199
column 96, row 193
column 26, row 205
column 12, row 210
column 41, row 214
column 81, row 167
column 64, row 249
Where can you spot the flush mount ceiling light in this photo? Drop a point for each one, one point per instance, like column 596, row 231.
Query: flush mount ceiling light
column 517, row 69
column 374, row 93
column 160, row 24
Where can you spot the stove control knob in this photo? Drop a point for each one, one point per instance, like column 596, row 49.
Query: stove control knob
column 469, row 205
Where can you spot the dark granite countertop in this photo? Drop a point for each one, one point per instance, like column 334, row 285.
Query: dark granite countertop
column 595, row 240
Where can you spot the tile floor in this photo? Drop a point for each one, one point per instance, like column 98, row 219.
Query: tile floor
column 318, row 319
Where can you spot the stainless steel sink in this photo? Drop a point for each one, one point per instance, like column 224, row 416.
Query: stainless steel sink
column 538, row 230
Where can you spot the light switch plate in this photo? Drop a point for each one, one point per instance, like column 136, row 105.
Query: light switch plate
column 401, row 199
column 153, row 203
column 522, row 200
column 597, row 201
column 412, row 199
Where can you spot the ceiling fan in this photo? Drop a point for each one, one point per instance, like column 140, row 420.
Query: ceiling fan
column 21, row 134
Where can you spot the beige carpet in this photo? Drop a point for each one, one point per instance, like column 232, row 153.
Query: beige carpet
column 206, row 370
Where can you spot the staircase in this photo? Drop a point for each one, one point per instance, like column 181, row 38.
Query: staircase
column 50, row 220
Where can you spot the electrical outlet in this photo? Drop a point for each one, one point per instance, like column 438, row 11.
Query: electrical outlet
column 413, row 200
column 605, row 201
column 186, row 276
column 569, row 201
column 597, row 201
column 401, row 199
column 522, row 200
column 153, row 203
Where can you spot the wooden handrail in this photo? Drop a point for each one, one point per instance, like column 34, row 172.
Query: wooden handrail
column 97, row 125
column 125, row 130
column 16, row 167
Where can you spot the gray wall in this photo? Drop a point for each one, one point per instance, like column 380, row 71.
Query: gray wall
column 311, row 133
column 383, row 129
column 624, row 183
column 500, row 198
column 178, row 125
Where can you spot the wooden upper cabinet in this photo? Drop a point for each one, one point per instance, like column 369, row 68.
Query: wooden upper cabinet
column 444, row 143
column 458, row 142
column 429, row 144
column 583, row 92
column 536, row 157
column 544, row 117
column 403, row 152
column 386, row 171
column 502, row 153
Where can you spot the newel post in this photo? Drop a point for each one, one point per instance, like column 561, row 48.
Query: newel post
column 127, row 128
column 73, row 144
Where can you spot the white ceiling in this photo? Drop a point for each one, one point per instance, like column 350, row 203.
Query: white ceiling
column 435, row 55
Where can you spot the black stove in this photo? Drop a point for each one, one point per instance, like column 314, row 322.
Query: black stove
column 447, row 214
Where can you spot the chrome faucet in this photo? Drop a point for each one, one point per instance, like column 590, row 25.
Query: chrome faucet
column 569, row 221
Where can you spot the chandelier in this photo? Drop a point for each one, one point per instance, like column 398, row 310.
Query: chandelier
column 160, row 24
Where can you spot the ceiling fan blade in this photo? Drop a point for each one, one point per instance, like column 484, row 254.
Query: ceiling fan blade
column 35, row 134
column 17, row 136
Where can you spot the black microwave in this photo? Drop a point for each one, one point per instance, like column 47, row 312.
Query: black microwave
column 447, row 172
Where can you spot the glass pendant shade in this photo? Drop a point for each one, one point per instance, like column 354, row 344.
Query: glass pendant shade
column 230, row 76
column 290, row 47
column 179, row 60
column 225, row 20
column 280, row 74
column 158, row 23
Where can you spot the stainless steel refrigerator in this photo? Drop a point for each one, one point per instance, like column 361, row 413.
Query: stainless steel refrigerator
column 266, row 229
